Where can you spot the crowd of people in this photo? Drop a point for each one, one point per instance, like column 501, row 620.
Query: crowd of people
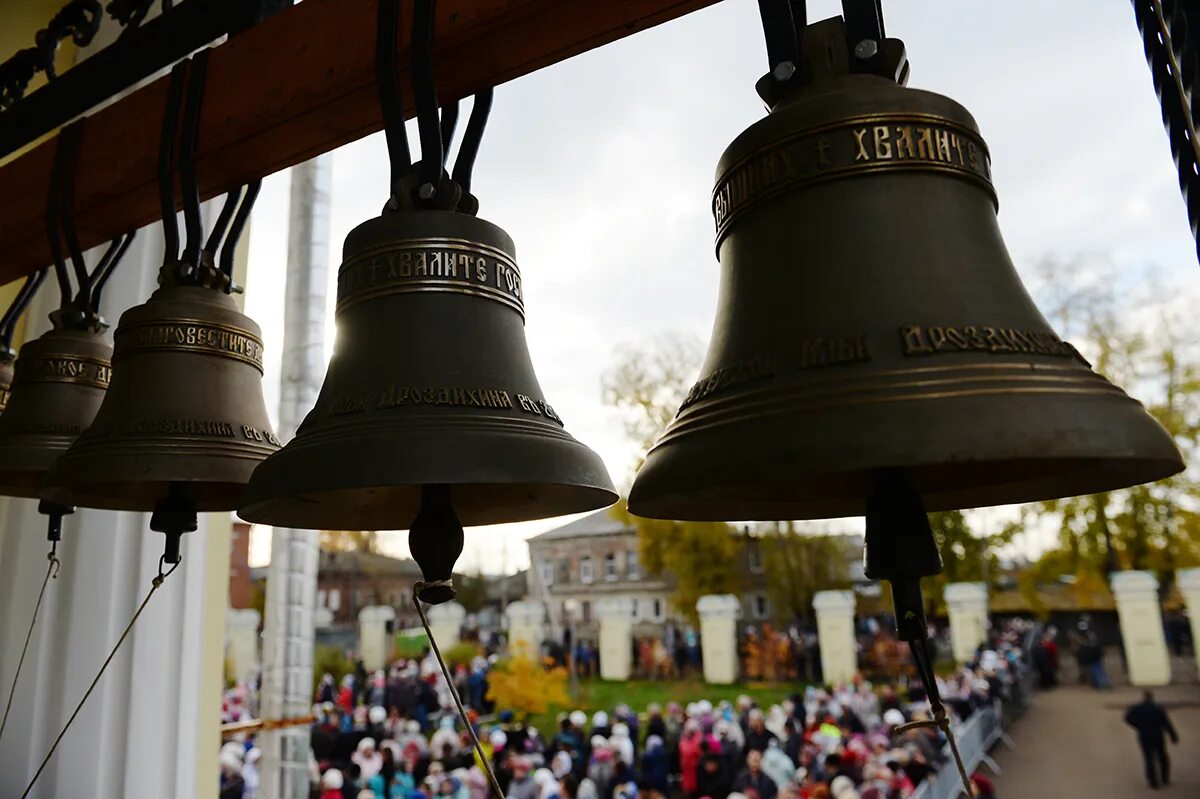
column 392, row 736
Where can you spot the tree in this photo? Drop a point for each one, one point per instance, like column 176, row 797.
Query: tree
column 696, row 554
column 797, row 566
column 966, row 555
column 350, row 541
column 1152, row 526
column 472, row 591
column 648, row 384
column 526, row 688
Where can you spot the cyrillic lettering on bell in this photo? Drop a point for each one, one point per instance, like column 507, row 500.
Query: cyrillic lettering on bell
column 917, row 340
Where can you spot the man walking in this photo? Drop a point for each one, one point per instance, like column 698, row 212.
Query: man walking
column 1151, row 722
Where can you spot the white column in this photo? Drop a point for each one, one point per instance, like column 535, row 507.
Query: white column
column 616, row 637
column 718, row 637
column 526, row 627
column 445, row 622
column 241, row 643
column 374, row 644
column 1136, row 593
column 150, row 727
column 835, row 630
column 1189, row 586
column 292, row 574
column 322, row 618
column 967, row 606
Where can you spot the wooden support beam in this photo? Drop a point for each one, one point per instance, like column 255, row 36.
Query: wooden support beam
column 297, row 85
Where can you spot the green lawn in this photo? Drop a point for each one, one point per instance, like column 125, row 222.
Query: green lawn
column 604, row 695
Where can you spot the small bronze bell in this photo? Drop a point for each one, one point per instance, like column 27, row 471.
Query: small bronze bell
column 59, row 383
column 430, row 384
column 870, row 318
column 185, row 406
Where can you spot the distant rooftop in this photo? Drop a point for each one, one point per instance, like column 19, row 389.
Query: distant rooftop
column 602, row 522
column 368, row 562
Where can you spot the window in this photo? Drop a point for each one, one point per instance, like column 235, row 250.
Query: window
column 321, row 598
column 392, row 598
column 585, row 569
column 586, row 611
column 762, row 607
column 547, row 572
column 658, row 610
column 632, row 568
column 610, row 566
column 636, row 603
column 755, row 558
column 335, row 599
column 564, row 570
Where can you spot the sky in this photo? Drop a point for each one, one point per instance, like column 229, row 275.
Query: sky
column 601, row 169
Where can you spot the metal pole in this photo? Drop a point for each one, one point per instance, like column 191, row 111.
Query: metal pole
column 292, row 576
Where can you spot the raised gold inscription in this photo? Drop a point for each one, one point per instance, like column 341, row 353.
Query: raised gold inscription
column 735, row 374
column 863, row 144
column 230, row 342
column 447, row 265
column 930, row 340
column 87, row 371
column 822, row 351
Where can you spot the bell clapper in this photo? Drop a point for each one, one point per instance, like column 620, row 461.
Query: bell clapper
column 435, row 539
column 174, row 515
column 901, row 549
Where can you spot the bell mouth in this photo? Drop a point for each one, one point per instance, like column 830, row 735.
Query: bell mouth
column 393, row 507
column 138, row 496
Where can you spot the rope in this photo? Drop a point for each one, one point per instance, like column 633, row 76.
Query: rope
column 154, row 586
column 940, row 721
column 462, row 713
column 51, row 571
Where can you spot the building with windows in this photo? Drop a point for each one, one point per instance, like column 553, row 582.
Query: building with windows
column 349, row 581
column 596, row 557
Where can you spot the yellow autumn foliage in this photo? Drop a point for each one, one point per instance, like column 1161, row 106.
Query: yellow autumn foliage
column 525, row 687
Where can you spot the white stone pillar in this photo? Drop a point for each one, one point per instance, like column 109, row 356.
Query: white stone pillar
column 526, row 627
column 1189, row 586
column 616, row 637
column 445, row 622
column 835, row 630
column 322, row 618
column 1136, row 593
column 241, row 643
column 374, row 644
column 967, row 606
column 718, row 637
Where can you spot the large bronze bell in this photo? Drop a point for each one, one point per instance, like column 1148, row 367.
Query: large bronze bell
column 59, row 383
column 430, row 392
column 871, row 319
column 184, row 410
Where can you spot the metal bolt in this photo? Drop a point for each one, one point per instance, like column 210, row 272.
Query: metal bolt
column 866, row 49
column 426, row 191
column 784, row 70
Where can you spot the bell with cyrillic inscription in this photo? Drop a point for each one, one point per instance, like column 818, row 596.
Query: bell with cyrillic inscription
column 430, row 399
column 184, row 418
column 870, row 319
column 58, row 384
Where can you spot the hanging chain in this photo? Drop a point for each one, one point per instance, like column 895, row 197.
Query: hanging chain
column 51, row 573
column 462, row 713
column 154, row 586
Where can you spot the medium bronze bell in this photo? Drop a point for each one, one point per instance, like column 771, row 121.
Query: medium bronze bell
column 59, row 383
column 430, row 391
column 184, row 412
column 870, row 318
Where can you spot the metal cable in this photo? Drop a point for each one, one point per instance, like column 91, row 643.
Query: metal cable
column 425, row 94
column 166, row 161
column 390, row 101
column 102, row 273
column 229, row 247
column 51, row 571
column 1172, row 96
column 464, row 165
column 462, row 713
column 187, row 161
column 53, row 232
column 449, row 122
column 8, row 323
column 923, row 659
column 154, row 586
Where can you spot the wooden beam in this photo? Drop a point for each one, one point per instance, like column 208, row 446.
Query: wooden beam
column 297, row 85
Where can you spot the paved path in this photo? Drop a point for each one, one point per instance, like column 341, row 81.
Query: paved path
column 1073, row 744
